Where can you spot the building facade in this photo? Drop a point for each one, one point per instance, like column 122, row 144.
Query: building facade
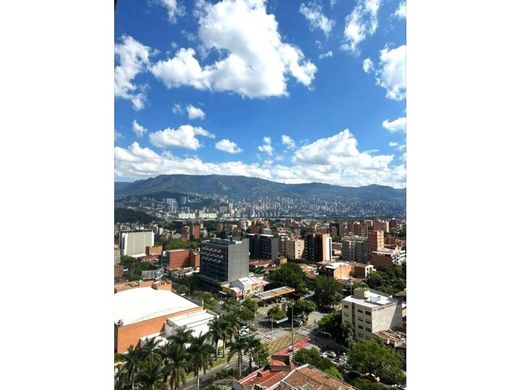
column 355, row 248
column 263, row 246
column 295, row 249
column 224, row 260
column 134, row 243
column 369, row 311
column 376, row 241
column 318, row 247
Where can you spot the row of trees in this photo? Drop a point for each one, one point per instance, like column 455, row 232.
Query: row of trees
column 157, row 367
column 388, row 279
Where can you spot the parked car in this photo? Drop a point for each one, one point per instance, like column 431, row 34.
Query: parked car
column 331, row 354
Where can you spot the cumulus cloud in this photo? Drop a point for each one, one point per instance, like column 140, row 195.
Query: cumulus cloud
column 360, row 24
column 325, row 55
column 334, row 160
column 316, row 18
column 228, row 146
column 183, row 137
column 396, row 125
column 138, row 129
column 174, row 9
column 368, row 65
column 393, row 144
column 266, row 147
column 132, row 58
column 195, row 112
column 391, row 74
column 255, row 61
column 400, row 12
column 288, row 141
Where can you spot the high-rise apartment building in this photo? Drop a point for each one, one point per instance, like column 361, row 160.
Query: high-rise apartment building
column 376, row 241
column 318, row 247
column 263, row 246
column 195, row 231
column 134, row 243
column 295, row 249
column 369, row 311
column 355, row 248
column 223, row 260
column 282, row 244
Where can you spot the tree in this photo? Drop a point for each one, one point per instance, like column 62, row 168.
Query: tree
column 291, row 275
column 374, row 357
column 200, row 356
column 176, row 364
column 130, row 365
column 181, row 336
column 312, row 356
column 260, row 355
column 231, row 329
column 181, row 289
column 252, row 345
column 302, row 307
column 364, row 384
column 332, row 323
column 388, row 279
column 238, row 347
column 250, row 304
column 333, row 371
column 275, row 313
column 327, row 291
column 217, row 332
column 150, row 375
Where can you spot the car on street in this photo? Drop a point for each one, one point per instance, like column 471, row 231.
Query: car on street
column 331, row 354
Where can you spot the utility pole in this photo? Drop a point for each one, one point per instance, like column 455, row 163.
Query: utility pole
column 292, row 326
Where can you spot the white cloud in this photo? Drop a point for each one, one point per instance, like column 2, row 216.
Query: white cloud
column 391, row 74
column 177, row 108
column 400, row 12
column 288, row 141
column 228, row 146
column 334, row 160
column 174, row 9
column 118, row 135
column 266, row 147
column 393, row 144
column 368, row 65
column 138, row 129
column 195, row 112
column 360, row 24
column 132, row 58
column 256, row 62
column 183, row 137
column 316, row 18
column 325, row 55
column 396, row 125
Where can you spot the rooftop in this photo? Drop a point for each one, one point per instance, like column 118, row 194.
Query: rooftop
column 372, row 299
column 141, row 304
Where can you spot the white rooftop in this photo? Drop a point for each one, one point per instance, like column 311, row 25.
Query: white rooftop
column 374, row 299
column 139, row 304
column 198, row 323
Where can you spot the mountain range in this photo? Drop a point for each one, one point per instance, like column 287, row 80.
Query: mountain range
column 241, row 187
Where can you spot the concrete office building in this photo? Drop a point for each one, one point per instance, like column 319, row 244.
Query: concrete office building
column 318, row 247
column 134, row 243
column 355, row 248
column 263, row 246
column 295, row 249
column 369, row 311
column 282, row 244
column 222, row 261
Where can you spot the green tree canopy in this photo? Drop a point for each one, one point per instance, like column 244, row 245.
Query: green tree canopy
column 327, row 291
column 291, row 275
column 312, row 356
column 275, row 313
column 332, row 323
column 302, row 307
column 372, row 356
column 388, row 279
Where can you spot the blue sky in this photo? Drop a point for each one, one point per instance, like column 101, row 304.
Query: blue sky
column 290, row 91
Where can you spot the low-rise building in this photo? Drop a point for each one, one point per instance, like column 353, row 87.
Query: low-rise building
column 141, row 313
column 361, row 270
column 369, row 312
column 337, row 270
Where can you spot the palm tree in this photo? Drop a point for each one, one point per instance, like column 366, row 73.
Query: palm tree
column 182, row 335
column 238, row 347
column 231, row 329
column 150, row 374
column 217, row 332
column 252, row 345
column 130, row 366
column 200, row 355
column 149, row 346
column 176, row 364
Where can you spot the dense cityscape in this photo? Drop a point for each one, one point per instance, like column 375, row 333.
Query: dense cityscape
column 216, row 299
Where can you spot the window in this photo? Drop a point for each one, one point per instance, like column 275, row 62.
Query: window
column 368, row 313
column 360, row 326
column 368, row 329
column 360, row 311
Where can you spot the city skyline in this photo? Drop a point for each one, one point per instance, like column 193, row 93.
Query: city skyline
column 190, row 96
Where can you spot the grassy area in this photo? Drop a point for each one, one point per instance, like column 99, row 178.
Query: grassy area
column 219, row 362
